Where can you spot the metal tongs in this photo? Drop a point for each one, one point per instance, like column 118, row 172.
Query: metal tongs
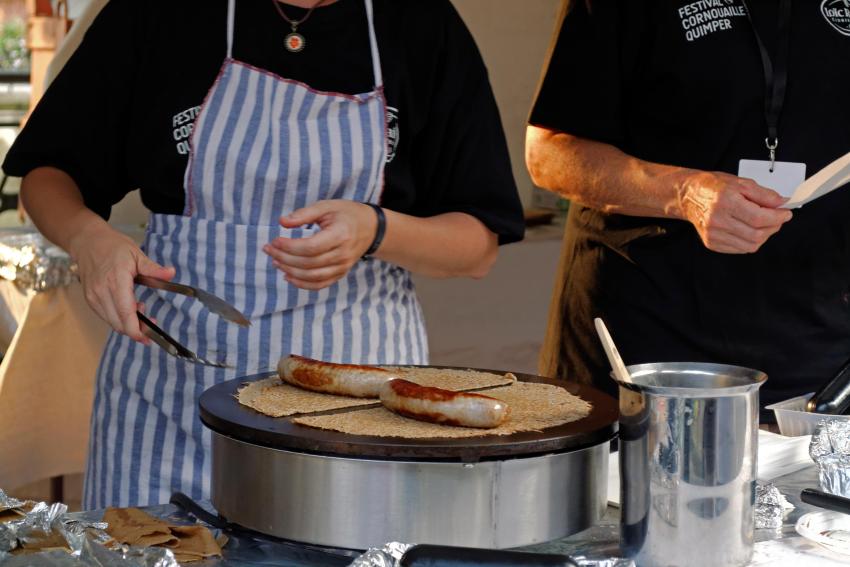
column 211, row 302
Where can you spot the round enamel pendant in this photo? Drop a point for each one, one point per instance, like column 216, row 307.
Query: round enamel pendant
column 295, row 42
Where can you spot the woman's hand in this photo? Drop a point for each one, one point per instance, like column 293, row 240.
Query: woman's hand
column 731, row 214
column 316, row 262
column 108, row 261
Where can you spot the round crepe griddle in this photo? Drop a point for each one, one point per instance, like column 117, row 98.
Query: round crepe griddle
column 222, row 412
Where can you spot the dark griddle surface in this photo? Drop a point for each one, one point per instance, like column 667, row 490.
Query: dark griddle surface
column 221, row 412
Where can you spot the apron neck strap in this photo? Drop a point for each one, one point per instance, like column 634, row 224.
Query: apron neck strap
column 373, row 40
column 231, row 17
column 373, row 43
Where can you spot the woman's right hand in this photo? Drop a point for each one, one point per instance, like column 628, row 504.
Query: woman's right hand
column 107, row 262
column 732, row 214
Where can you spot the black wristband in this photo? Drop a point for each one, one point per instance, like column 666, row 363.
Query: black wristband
column 379, row 232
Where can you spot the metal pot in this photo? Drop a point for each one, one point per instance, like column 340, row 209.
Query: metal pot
column 688, row 442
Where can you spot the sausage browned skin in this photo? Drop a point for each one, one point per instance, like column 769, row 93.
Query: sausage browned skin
column 341, row 379
column 443, row 406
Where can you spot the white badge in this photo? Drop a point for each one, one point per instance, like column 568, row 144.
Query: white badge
column 784, row 179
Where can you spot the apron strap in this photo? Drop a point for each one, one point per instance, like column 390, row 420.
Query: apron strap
column 231, row 16
column 373, row 43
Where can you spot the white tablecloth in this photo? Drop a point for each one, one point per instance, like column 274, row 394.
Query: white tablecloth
column 46, row 382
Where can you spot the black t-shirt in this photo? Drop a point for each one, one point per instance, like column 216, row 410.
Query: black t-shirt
column 681, row 82
column 119, row 115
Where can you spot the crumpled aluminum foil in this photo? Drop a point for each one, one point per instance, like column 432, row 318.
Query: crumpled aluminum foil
column 830, row 450
column 33, row 263
column 771, row 507
column 609, row 562
column 7, row 502
column 96, row 555
column 390, row 556
column 89, row 544
column 79, row 533
column 386, row 556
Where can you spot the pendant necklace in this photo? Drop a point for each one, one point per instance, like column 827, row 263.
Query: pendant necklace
column 294, row 41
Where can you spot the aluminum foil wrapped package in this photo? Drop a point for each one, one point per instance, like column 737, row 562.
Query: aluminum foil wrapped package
column 830, row 449
column 771, row 507
column 33, row 263
column 608, row 562
column 386, row 556
column 8, row 503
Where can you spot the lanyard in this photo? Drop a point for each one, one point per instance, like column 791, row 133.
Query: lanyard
column 775, row 74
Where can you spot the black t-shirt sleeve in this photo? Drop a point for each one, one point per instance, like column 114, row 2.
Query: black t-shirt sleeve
column 460, row 159
column 594, row 53
column 80, row 124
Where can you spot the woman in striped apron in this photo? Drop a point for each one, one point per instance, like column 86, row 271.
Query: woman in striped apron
column 262, row 144
column 282, row 187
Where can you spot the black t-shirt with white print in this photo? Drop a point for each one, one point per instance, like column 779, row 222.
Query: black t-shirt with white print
column 681, row 82
column 119, row 115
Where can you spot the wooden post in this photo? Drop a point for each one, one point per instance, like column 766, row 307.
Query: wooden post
column 45, row 31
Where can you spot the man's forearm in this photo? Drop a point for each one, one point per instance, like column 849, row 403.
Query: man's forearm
column 601, row 176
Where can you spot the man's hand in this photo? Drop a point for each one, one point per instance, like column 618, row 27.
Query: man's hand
column 732, row 215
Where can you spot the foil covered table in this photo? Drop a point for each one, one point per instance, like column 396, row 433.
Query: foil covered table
column 773, row 547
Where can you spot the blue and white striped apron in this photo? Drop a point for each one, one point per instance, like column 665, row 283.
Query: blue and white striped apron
column 263, row 146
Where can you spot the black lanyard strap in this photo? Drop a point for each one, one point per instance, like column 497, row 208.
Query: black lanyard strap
column 775, row 72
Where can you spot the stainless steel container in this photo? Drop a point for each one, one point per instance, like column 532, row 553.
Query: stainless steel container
column 688, row 442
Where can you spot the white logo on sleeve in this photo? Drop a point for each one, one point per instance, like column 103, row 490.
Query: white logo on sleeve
column 392, row 132
column 183, row 124
column 837, row 13
column 705, row 17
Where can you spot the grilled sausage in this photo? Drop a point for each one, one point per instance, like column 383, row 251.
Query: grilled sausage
column 443, row 406
column 340, row 379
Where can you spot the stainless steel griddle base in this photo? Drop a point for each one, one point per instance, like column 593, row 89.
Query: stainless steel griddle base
column 360, row 503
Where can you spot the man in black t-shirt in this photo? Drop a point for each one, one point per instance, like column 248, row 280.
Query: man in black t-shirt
column 644, row 115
